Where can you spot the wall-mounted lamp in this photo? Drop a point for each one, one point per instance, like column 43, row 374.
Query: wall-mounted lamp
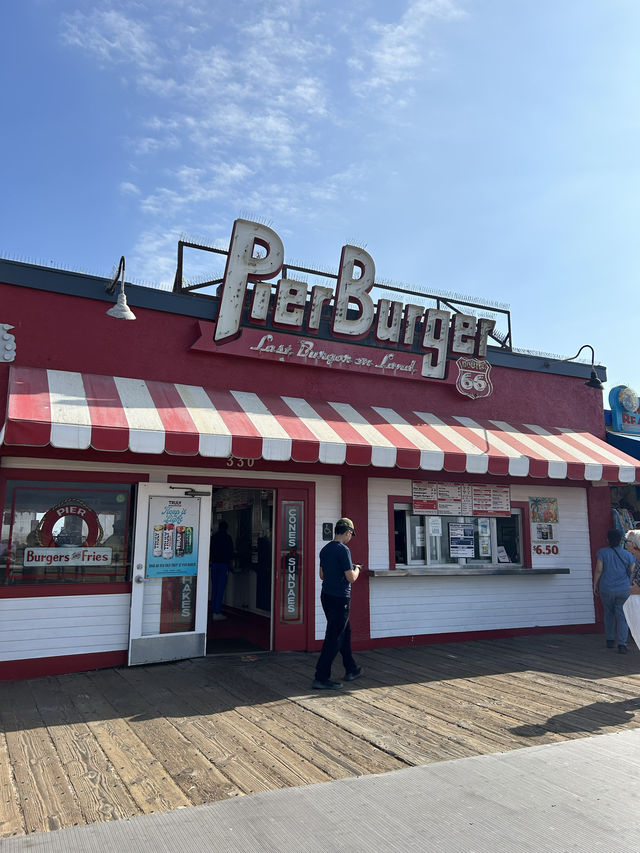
column 120, row 310
column 593, row 381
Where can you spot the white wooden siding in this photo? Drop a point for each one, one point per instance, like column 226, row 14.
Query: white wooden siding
column 414, row 606
column 328, row 508
column 151, row 607
column 63, row 625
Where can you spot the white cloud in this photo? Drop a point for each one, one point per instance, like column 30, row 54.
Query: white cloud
column 194, row 186
column 247, row 105
column 252, row 82
column 127, row 188
column 399, row 52
column 148, row 144
column 153, row 258
column 112, row 36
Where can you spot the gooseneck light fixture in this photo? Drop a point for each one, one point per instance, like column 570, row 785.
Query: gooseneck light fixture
column 593, row 381
column 120, row 310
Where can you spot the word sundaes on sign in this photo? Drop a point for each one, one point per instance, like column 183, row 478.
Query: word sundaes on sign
column 432, row 332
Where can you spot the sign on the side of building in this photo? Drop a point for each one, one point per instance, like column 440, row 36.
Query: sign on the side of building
column 291, row 562
column 625, row 412
column 385, row 337
column 466, row 499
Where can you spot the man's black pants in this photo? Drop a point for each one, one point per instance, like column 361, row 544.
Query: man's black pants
column 337, row 637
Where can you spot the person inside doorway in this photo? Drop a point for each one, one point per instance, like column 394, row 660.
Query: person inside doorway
column 220, row 557
column 263, row 569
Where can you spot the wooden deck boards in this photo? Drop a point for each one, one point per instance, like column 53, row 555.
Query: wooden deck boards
column 106, row 745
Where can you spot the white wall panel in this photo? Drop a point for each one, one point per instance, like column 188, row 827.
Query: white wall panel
column 151, row 606
column 412, row 606
column 63, row 625
column 328, row 508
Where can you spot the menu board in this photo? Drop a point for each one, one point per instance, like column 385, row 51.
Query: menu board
column 466, row 499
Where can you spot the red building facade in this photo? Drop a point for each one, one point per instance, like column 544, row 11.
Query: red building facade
column 476, row 476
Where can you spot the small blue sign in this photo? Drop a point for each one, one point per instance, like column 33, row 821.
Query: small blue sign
column 625, row 414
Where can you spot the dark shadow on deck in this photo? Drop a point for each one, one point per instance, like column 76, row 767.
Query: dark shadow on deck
column 223, row 682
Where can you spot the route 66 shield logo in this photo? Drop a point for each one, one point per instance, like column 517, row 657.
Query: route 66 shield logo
column 473, row 377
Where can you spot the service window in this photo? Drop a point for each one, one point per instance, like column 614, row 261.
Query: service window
column 447, row 540
column 65, row 533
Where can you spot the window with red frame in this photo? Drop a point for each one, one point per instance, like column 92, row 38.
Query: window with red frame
column 65, row 533
column 427, row 540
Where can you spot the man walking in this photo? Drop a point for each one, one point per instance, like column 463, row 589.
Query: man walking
column 337, row 573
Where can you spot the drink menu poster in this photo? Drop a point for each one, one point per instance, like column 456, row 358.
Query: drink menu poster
column 172, row 539
column 466, row 499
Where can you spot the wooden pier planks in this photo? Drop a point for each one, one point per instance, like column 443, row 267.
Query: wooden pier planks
column 105, row 745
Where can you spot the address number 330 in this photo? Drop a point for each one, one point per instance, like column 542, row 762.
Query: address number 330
column 239, row 462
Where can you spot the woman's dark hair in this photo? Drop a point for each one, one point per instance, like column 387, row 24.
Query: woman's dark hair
column 615, row 537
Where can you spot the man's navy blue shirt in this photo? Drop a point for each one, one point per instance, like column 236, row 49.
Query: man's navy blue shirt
column 335, row 559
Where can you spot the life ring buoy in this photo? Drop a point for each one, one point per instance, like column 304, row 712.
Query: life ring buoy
column 74, row 507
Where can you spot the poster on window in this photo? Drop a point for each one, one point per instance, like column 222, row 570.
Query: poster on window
column 435, row 526
column 461, row 540
column 544, row 510
column 172, row 540
column 484, row 527
column 68, row 534
column 544, row 541
column 462, row 499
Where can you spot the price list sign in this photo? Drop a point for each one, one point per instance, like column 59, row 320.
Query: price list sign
column 461, row 499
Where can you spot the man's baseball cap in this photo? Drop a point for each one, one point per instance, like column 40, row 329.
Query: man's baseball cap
column 344, row 524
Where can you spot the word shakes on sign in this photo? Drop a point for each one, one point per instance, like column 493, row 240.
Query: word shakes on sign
column 435, row 332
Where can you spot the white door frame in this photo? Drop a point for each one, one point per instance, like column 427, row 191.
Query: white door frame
column 146, row 643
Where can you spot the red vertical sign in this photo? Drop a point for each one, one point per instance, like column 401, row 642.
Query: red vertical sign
column 293, row 601
column 291, row 561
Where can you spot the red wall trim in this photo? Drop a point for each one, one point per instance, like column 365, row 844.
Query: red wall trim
column 46, row 590
column 17, row 670
column 63, row 476
column 600, row 520
column 527, row 557
column 391, row 500
column 289, row 637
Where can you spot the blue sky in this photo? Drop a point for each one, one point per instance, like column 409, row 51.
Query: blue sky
column 484, row 147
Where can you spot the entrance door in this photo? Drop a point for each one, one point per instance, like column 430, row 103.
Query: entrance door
column 170, row 573
column 242, row 569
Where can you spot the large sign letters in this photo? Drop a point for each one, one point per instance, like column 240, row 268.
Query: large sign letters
column 415, row 341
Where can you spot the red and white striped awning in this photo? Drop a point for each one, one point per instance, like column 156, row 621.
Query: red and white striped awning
column 80, row 411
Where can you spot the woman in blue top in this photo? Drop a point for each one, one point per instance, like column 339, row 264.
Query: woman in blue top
column 611, row 577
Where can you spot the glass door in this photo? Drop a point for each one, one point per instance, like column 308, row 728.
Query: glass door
column 170, row 573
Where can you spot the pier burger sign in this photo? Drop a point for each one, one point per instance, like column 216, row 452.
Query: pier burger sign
column 341, row 328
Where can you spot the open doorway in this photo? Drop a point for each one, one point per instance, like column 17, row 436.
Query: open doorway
column 241, row 560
